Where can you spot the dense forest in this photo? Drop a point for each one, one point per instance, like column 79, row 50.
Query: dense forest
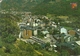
column 59, row 8
column 19, row 5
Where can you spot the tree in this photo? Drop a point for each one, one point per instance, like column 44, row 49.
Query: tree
column 10, row 39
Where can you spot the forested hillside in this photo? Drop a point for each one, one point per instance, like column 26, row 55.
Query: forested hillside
column 8, row 28
column 60, row 8
column 19, row 5
column 63, row 7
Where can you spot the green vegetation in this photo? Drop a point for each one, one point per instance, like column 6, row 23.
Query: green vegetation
column 58, row 8
column 43, row 6
column 19, row 5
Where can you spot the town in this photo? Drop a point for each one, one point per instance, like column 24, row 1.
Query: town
column 39, row 28
column 43, row 30
column 47, row 32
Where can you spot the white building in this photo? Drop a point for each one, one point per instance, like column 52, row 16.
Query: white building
column 63, row 30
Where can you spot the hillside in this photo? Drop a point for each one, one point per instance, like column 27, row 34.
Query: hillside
column 63, row 7
column 11, row 45
column 58, row 8
column 19, row 5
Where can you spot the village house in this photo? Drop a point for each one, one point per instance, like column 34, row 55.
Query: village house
column 32, row 26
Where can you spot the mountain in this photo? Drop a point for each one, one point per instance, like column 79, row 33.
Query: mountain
column 63, row 7
column 19, row 5
column 59, row 7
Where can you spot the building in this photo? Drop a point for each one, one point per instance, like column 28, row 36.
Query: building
column 27, row 34
column 63, row 30
column 25, row 31
column 72, row 32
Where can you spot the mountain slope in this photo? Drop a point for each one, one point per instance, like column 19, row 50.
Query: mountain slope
column 19, row 5
column 59, row 8
column 63, row 7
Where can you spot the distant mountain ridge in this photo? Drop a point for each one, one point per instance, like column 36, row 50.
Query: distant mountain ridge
column 60, row 7
column 19, row 5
